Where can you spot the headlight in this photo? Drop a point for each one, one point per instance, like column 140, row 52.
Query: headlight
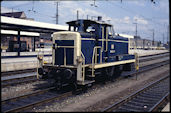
column 79, row 59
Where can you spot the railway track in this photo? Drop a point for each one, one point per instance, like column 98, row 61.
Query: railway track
column 15, row 81
column 155, row 54
column 28, row 101
column 19, row 80
column 25, row 102
column 147, row 68
column 11, row 73
column 147, row 99
column 38, row 98
column 154, row 57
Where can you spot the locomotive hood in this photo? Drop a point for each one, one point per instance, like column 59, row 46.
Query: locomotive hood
column 66, row 45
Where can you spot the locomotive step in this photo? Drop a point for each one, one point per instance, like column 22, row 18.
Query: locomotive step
column 86, row 82
column 89, row 76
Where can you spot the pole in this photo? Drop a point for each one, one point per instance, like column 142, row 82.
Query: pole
column 57, row 13
column 135, row 32
column 12, row 13
column 77, row 14
column 18, row 43
column 34, row 43
column 163, row 38
column 153, row 37
column 168, row 34
column 135, row 27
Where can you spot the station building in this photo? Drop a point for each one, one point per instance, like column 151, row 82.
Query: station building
column 29, row 41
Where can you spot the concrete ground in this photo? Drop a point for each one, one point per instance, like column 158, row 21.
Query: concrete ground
column 166, row 108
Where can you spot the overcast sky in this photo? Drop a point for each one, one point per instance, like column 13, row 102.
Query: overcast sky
column 121, row 14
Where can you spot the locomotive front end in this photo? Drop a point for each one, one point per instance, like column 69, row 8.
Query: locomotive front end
column 66, row 48
column 66, row 58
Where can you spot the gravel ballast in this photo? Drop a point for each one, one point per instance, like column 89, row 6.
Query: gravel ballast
column 98, row 98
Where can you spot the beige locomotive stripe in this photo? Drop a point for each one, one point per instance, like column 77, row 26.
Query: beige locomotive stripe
column 104, row 40
column 114, row 40
column 113, row 63
column 87, row 39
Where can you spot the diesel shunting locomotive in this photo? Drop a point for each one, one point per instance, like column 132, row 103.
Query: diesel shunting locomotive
column 89, row 51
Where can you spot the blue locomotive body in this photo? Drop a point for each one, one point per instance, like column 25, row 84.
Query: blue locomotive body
column 88, row 52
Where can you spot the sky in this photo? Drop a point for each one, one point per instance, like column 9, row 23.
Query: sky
column 123, row 15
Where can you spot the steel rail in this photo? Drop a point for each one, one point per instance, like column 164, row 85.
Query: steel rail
column 127, row 99
column 48, row 97
column 11, row 73
column 20, row 80
column 159, row 103
column 26, row 95
column 152, row 58
column 153, row 54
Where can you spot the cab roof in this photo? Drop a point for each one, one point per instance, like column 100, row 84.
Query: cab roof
column 87, row 22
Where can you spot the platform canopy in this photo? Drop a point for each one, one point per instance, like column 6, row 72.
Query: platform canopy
column 24, row 27
column 8, row 23
column 11, row 32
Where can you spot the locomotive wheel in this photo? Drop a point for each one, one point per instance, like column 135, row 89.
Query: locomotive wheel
column 74, row 87
column 110, row 73
column 84, row 88
column 117, row 71
column 102, row 78
column 59, row 87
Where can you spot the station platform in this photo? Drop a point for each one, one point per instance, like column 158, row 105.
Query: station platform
column 146, row 52
column 21, row 63
column 166, row 108
column 13, row 64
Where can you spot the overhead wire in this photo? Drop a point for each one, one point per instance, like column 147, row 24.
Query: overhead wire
column 145, row 18
column 133, row 11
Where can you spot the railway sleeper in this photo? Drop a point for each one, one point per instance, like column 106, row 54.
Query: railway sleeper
column 147, row 98
column 133, row 108
column 147, row 95
column 142, row 100
column 125, row 109
column 155, row 94
column 136, row 103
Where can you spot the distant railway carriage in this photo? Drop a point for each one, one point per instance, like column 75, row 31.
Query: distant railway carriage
column 88, row 52
column 143, row 44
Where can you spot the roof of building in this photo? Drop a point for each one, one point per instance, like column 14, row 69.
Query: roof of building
column 30, row 26
column 11, row 32
column 15, row 14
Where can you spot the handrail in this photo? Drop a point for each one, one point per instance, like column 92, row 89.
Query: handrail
column 95, row 54
column 106, row 39
column 83, row 67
